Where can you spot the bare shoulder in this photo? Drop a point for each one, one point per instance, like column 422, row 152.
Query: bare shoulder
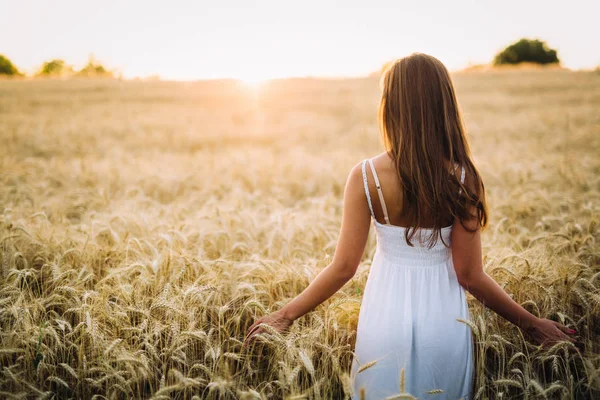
column 354, row 192
column 355, row 171
column 386, row 170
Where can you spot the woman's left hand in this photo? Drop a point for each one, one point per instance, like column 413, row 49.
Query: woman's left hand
column 276, row 319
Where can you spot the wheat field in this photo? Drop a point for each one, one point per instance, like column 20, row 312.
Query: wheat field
column 145, row 225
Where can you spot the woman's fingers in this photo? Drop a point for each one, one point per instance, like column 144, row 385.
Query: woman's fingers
column 549, row 333
column 564, row 328
column 254, row 325
column 252, row 329
column 252, row 335
column 558, row 337
column 248, row 337
column 562, row 335
column 275, row 321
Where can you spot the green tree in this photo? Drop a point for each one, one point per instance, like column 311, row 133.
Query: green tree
column 7, row 67
column 55, row 67
column 527, row 50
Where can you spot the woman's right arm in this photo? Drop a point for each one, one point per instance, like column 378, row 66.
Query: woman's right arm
column 468, row 264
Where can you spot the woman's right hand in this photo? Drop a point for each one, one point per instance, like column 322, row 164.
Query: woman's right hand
column 547, row 333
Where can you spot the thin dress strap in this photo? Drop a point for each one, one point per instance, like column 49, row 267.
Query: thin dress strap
column 364, row 172
column 379, row 192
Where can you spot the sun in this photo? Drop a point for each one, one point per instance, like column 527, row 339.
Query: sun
column 253, row 82
column 255, row 78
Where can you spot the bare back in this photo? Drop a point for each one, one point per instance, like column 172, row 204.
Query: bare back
column 389, row 185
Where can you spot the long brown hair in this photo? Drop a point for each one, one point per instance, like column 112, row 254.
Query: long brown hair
column 424, row 133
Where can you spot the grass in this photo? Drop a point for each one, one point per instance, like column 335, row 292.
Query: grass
column 145, row 225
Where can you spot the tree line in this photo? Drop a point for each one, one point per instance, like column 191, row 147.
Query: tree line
column 58, row 68
column 524, row 50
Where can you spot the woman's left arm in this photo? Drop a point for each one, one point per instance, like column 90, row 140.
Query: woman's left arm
column 349, row 250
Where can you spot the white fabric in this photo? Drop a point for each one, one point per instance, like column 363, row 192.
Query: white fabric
column 408, row 319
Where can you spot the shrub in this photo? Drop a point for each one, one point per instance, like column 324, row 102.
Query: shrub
column 55, row 67
column 94, row 68
column 527, row 50
column 7, row 67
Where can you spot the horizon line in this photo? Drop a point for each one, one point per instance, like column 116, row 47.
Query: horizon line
column 157, row 77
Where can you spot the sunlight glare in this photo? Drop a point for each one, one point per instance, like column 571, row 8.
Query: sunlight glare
column 254, row 77
column 253, row 83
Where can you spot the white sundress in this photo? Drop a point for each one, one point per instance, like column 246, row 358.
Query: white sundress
column 408, row 318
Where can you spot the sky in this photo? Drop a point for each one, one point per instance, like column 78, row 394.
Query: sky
column 259, row 39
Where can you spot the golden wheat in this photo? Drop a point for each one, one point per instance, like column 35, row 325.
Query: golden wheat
column 144, row 226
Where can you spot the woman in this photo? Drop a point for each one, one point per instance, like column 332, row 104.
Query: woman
column 427, row 203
